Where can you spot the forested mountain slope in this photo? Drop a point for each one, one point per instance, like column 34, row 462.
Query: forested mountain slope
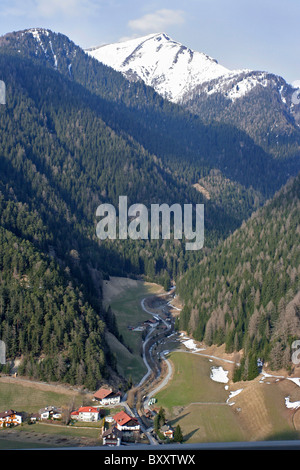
column 46, row 319
column 246, row 294
column 268, row 111
column 60, row 157
column 91, row 136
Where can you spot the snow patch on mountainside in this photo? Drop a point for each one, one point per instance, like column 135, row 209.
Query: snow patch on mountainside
column 166, row 65
column 40, row 35
column 236, row 85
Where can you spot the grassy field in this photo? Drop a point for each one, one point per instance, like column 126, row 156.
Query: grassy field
column 191, row 382
column 198, row 405
column 20, row 396
column 29, row 397
column 264, row 413
column 124, row 296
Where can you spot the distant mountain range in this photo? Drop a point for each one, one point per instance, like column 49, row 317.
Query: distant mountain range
column 261, row 103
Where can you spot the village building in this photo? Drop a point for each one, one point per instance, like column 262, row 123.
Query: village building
column 34, row 417
column 167, row 431
column 112, row 437
column 10, row 417
column 106, row 396
column 129, row 426
column 50, row 412
column 86, row 414
column 151, row 322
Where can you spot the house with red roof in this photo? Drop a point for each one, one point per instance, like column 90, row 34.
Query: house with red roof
column 86, row 413
column 106, row 396
column 125, row 422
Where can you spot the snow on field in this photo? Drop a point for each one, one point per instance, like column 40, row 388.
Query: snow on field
column 218, row 374
column 190, row 344
column 295, row 380
column 264, row 375
column 294, row 405
column 233, row 394
column 173, row 306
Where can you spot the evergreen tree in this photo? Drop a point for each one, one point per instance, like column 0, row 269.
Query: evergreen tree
column 178, row 436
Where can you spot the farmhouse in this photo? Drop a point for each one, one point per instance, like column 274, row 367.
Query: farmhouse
column 106, row 396
column 86, row 413
column 125, row 422
column 151, row 322
column 10, row 417
column 50, row 412
column 167, row 431
column 112, row 437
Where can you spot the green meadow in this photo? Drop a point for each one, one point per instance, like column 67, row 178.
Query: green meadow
column 17, row 396
column 197, row 403
column 125, row 302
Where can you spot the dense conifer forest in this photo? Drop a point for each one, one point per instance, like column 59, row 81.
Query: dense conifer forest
column 246, row 293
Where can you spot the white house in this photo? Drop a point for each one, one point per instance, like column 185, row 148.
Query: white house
column 112, row 437
column 106, row 396
column 86, row 413
column 10, row 417
column 50, row 412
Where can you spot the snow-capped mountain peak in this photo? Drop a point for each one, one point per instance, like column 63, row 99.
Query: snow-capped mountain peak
column 168, row 66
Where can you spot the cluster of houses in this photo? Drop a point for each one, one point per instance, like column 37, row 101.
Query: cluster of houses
column 115, row 429
column 123, row 427
column 13, row 418
column 104, row 397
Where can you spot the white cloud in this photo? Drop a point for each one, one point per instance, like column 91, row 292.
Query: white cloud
column 157, row 21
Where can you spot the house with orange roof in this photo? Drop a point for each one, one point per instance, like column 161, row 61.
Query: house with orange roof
column 167, row 431
column 10, row 417
column 86, row 413
column 106, row 396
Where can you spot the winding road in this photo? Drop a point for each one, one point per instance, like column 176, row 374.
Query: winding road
column 146, row 357
column 169, row 327
column 166, row 378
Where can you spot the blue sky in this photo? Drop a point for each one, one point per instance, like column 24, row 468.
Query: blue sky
column 256, row 34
